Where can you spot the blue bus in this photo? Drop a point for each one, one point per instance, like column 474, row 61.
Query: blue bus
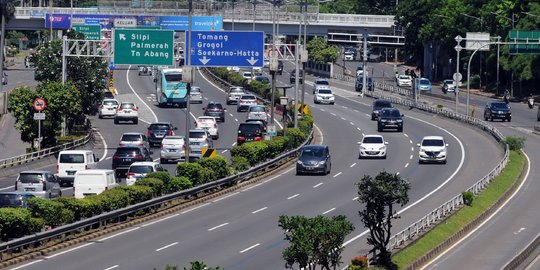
column 170, row 90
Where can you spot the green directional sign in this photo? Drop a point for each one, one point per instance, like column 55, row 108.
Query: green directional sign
column 528, row 42
column 143, row 47
column 91, row 32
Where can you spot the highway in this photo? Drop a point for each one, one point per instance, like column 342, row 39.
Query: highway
column 239, row 230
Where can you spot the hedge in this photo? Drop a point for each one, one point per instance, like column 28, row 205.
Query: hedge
column 156, row 184
column 52, row 212
column 18, row 222
column 218, row 165
column 81, row 208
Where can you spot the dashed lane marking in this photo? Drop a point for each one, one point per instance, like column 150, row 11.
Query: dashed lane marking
column 352, row 165
column 259, row 210
column 218, row 226
column 293, row 196
column 112, row 267
column 317, row 185
column 167, row 246
column 254, row 246
column 326, row 212
column 337, row 174
column 406, row 165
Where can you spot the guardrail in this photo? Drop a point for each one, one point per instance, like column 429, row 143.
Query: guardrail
column 25, row 158
column 456, row 202
column 101, row 220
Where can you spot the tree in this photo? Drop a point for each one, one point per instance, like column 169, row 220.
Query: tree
column 20, row 106
column 314, row 241
column 379, row 195
column 321, row 52
column 201, row 266
column 8, row 9
column 87, row 73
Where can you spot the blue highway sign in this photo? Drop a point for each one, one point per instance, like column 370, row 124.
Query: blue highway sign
column 226, row 48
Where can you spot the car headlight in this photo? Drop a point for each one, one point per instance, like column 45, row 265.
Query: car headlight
column 321, row 163
column 299, row 162
column 383, row 120
column 399, row 120
column 382, row 148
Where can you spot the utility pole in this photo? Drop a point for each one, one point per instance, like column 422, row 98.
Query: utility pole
column 2, row 48
column 188, row 69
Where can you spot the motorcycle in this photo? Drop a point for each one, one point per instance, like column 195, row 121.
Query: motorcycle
column 530, row 102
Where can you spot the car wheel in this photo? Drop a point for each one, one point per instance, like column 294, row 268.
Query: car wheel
column 60, row 193
column 420, row 161
column 384, row 157
column 444, row 161
column 298, row 172
column 136, row 121
column 332, row 103
column 115, row 121
column 372, row 118
column 400, row 129
column 162, row 161
column 360, row 156
column 228, row 102
column 50, row 195
column 485, row 118
column 379, row 128
column 509, row 119
column 216, row 137
column 100, row 116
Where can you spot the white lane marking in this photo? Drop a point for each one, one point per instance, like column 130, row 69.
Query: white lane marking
column 352, row 124
column 167, row 246
column 257, row 211
column 235, row 119
column 159, row 220
column 107, row 158
column 358, row 129
column 343, row 118
column 234, row 144
column 104, row 146
column 368, row 115
column 320, row 133
column 225, row 197
column 352, row 165
column 412, row 148
column 518, row 231
column 411, row 157
column 139, row 97
column 337, row 174
column 118, row 234
column 231, row 114
column 192, row 115
column 293, row 196
column 254, row 246
column 397, row 173
column 323, row 110
column 69, row 250
column 410, row 141
column 355, row 198
column 405, row 134
column 112, row 267
column 7, row 188
column 28, row 264
column 406, row 165
column 194, row 208
column 144, row 121
column 344, row 107
column 525, row 179
column 218, row 226
column 333, row 114
column 254, row 186
column 156, row 159
column 324, row 213
column 356, row 111
column 224, row 151
column 315, row 186
column 363, row 134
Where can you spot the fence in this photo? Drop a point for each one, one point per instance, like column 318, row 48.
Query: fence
column 325, row 70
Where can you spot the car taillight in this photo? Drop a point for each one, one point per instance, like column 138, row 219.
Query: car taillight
column 148, row 133
column 106, row 188
column 161, row 145
column 215, row 125
column 119, row 109
column 170, row 133
column 139, row 144
column 86, row 167
column 115, row 156
column 257, row 139
column 135, row 109
column 130, row 174
column 139, row 156
column 241, row 138
column 121, row 144
column 101, row 107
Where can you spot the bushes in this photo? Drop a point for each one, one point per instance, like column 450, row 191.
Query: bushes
column 179, row 183
column 18, row 222
column 468, row 197
column 218, row 166
column 156, row 184
column 81, row 208
column 239, row 164
column 359, row 263
column 295, row 137
column 195, row 172
column 52, row 212
column 514, row 143
column 137, row 193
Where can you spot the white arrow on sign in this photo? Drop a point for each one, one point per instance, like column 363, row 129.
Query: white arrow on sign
column 204, row 60
column 122, row 36
column 252, row 61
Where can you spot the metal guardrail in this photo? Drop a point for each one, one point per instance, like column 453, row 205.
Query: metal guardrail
column 103, row 219
column 25, row 158
column 456, row 202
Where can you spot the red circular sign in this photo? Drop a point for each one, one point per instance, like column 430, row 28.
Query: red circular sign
column 39, row 104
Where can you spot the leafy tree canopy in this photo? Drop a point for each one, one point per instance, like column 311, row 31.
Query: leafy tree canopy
column 321, row 52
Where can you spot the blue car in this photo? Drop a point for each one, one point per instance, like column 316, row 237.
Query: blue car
column 423, row 84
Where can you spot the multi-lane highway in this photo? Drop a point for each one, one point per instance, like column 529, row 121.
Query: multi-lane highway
column 239, row 230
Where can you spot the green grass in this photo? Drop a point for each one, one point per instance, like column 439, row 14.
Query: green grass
column 465, row 215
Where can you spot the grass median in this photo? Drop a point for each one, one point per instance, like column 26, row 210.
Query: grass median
column 465, row 215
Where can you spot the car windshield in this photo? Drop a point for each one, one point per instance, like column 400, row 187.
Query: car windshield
column 173, row 77
column 141, row 169
column 249, row 129
column 159, row 127
column 262, row 79
column 312, row 152
column 404, row 77
column 372, row 140
column 390, row 113
column 127, row 152
column 206, row 120
column 500, row 105
column 127, row 105
column 236, row 90
column 110, row 102
column 71, row 158
column 424, row 81
column 197, row 135
column 214, row 106
column 248, row 97
column 325, row 91
column 432, row 142
column 173, row 140
column 448, row 81
column 247, row 74
column 322, row 83
column 131, row 138
column 382, row 104
column 195, row 89
column 256, row 109
column 30, row 177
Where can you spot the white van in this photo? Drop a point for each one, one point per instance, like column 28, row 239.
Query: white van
column 71, row 161
column 93, row 182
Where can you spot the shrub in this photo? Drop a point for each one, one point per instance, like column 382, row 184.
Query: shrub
column 305, row 124
column 113, row 199
column 218, row 165
column 273, row 148
column 52, row 212
column 254, row 152
column 281, row 142
column 195, row 173
column 81, row 208
column 514, row 143
column 359, row 262
column 239, row 164
column 468, row 197
column 179, row 183
column 137, row 193
column 295, row 137
column 163, row 176
column 18, row 222
column 156, row 184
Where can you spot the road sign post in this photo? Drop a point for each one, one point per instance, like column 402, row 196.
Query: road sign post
column 143, row 47
column 226, row 48
column 39, row 105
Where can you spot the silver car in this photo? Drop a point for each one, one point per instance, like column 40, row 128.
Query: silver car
column 138, row 170
column 234, row 94
column 39, row 183
column 199, row 139
column 173, row 148
column 195, row 95
column 257, row 112
column 134, row 139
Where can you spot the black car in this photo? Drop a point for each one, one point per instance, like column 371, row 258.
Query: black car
column 216, row 110
column 390, row 118
column 157, row 131
column 262, row 79
column 258, row 121
column 360, row 83
column 378, row 105
column 14, row 199
column 249, row 132
column 108, row 95
column 300, row 78
column 497, row 110
column 125, row 156
column 314, row 159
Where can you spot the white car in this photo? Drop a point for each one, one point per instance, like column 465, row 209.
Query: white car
column 348, row 56
column 257, row 112
column 195, row 95
column 404, row 80
column 233, row 69
column 372, row 146
column 324, row 96
column 172, row 148
column 108, row 108
column 245, row 101
column 234, row 94
column 321, row 83
column 127, row 111
column 246, row 75
column 432, row 149
column 138, row 170
column 208, row 123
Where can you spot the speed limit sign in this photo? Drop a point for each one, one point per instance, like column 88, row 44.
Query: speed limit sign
column 40, row 104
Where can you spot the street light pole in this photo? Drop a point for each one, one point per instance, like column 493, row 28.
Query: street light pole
column 481, row 29
column 273, row 73
column 498, row 50
column 188, row 62
column 304, row 21
column 458, row 49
